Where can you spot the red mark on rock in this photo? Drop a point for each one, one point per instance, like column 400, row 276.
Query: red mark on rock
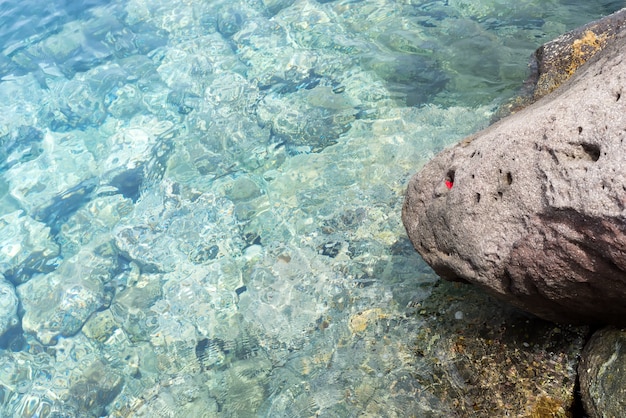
column 449, row 184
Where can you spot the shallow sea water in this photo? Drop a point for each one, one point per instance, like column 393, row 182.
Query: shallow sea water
column 200, row 200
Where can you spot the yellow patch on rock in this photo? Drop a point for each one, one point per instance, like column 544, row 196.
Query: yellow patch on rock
column 584, row 48
column 359, row 322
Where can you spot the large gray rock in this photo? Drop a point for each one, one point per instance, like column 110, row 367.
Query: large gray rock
column 533, row 207
column 602, row 374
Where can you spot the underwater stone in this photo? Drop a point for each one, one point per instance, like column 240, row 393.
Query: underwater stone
column 100, row 326
column 495, row 360
column 236, row 142
column 193, row 292
column 8, row 306
column 183, row 101
column 70, row 380
column 313, row 118
column 293, row 276
column 66, row 204
column 187, row 395
column 232, row 90
column 193, row 62
column 242, row 189
column 20, row 146
column 93, row 223
column 275, row 6
column 35, row 186
column 125, row 101
column 59, row 303
column 129, row 182
column 130, row 308
column 243, row 385
column 414, row 78
column 158, row 238
column 96, row 387
column 40, row 403
column 142, row 71
column 75, row 106
column 229, row 21
column 263, row 45
column 135, row 41
column 26, row 247
column 131, row 146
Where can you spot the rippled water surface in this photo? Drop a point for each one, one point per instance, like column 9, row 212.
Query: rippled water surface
column 200, row 200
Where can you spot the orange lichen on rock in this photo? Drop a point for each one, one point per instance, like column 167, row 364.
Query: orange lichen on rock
column 561, row 58
column 584, row 48
column 556, row 61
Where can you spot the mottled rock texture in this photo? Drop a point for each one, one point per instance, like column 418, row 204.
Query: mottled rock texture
column 558, row 60
column 602, row 374
column 533, row 208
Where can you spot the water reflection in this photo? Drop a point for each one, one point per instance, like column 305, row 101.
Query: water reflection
column 200, row 203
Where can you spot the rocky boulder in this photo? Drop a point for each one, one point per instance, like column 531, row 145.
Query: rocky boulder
column 555, row 61
column 533, row 208
column 601, row 374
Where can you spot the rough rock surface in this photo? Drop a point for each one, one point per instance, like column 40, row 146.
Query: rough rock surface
column 601, row 374
column 533, row 207
column 558, row 60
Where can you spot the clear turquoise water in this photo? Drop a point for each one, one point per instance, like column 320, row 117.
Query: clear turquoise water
column 200, row 201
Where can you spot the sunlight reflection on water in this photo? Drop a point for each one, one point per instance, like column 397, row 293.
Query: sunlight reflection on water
column 200, row 201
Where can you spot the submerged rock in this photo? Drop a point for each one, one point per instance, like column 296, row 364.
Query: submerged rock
column 59, row 303
column 96, row 386
column 186, row 395
column 275, row 6
column 313, row 118
column 172, row 224
column 39, row 189
column 412, row 78
column 26, row 391
column 532, row 208
column 8, row 306
column 26, row 247
column 602, row 372
column 19, row 146
column 130, row 309
column 71, row 380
